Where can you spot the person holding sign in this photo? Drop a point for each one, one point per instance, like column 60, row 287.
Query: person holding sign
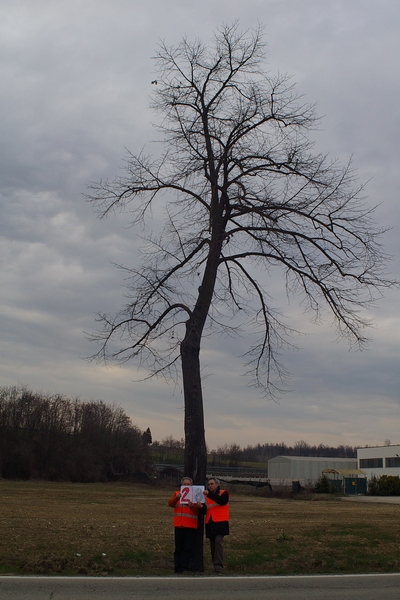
column 185, row 522
column 217, row 521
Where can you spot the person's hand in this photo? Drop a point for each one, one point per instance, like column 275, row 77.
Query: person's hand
column 205, row 493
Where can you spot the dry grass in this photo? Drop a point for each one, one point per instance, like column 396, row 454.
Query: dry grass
column 121, row 529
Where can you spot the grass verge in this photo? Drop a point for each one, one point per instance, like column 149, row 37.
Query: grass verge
column 126, row 529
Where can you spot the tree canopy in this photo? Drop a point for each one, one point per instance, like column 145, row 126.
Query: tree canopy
column 244, row 193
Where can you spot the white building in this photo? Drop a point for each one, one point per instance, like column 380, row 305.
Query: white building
column 283, row 470
column 379, row 460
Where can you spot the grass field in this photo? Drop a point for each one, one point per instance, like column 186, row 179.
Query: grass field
column 126, row 529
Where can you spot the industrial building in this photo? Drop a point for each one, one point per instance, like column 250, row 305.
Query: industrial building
column 284, row 470
column 379, row 460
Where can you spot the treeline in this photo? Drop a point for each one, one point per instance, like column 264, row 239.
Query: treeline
column 264, row 452
column 171, row 451
column 57, row 438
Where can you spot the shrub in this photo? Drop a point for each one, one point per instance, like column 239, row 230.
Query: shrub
column 324, row 486
column 386, row 485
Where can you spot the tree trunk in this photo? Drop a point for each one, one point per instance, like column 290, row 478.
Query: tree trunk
column 195, row 444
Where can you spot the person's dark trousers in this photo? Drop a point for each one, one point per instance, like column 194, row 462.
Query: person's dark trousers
column 217, row 552
column 184, row 540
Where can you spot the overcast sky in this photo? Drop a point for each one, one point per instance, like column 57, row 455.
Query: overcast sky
column 75, row 93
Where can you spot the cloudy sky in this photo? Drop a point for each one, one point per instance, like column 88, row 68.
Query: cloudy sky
column 75, row 92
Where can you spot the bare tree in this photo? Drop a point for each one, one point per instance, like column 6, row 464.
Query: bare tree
column 244, row 192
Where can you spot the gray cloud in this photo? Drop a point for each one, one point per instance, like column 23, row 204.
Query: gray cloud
column 77, row 85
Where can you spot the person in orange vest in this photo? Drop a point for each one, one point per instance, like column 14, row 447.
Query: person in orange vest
column 217, row 521
column 185, row 525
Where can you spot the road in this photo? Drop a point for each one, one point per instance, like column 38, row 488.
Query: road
column 354, row 587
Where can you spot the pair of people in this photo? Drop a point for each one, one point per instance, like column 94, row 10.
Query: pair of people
column 185, row 522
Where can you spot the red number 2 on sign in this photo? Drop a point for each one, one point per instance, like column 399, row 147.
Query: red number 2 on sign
column 184, row 493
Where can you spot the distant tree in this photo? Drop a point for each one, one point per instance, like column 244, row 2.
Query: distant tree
column 229, row 454
column 234, row 454
column 301, row 448
column 146, row 437
column 171, row 442
column 244, row 193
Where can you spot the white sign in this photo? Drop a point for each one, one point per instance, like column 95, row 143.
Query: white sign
column 192, row 493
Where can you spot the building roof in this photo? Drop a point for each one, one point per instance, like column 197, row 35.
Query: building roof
column 313, row 458
column 349, row 472
column 383, row 446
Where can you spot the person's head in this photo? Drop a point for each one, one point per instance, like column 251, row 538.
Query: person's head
column 186, row 481
column 213, row 484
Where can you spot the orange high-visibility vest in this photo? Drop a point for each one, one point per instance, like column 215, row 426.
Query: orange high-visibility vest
column 215, row 511
column 184, row 516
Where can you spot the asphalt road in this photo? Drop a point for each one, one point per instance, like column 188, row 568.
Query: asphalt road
column 347, row 587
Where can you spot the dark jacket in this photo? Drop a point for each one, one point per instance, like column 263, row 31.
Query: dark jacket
column 221, row 527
